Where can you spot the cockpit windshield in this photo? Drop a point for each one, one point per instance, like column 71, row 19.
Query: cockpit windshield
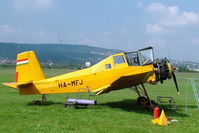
column 140, row 57
column 132, row 58
column 146, row 56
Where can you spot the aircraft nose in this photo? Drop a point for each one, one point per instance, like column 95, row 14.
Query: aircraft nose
column 164, row 71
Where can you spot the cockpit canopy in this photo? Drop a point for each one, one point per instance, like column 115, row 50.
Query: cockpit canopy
column 141, row 57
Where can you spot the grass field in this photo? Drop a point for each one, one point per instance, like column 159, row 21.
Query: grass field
column 116, row 111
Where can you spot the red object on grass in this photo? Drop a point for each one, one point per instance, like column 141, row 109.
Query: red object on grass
column 156, row 113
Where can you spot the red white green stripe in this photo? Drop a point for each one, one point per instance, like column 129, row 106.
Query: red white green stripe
column 22, row 62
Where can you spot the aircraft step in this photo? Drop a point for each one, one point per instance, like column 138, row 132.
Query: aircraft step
column 167, row 100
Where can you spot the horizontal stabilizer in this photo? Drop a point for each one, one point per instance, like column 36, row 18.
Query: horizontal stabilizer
column 25, row 83
column 16, row 85
column 12, row 84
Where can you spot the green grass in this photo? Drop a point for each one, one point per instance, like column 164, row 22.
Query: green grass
column 116, row 111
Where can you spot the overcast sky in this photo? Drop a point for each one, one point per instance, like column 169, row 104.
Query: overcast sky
column 171, row 26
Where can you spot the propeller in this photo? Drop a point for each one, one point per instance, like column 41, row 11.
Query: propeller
column 165, row 71
column 175, row 81
column 172, row 74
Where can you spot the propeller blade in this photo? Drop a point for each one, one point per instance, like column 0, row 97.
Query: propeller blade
column 175, row 81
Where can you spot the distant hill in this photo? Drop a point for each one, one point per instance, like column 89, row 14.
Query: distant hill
column 57, row 53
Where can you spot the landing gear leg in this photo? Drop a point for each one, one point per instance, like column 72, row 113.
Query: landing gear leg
column 143, row 98
column 44, row 98
column 40, row 102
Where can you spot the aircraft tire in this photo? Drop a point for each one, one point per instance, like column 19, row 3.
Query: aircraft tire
column 142, row 101
column 146, row 103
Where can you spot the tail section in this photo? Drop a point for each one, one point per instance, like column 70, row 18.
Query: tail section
column 28, row 68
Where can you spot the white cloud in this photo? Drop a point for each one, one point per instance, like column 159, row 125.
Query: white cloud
column 84, row 38
column 44, row 36
column 191, row 17
column 159, row 9
column 8, row 30
column 44, row 3
column 33, row 4
column 169, row 17
column 156, row 7
column 155, row 28
column 9, row 33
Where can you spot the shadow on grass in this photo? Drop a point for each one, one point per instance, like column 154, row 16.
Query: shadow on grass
column 46, row 103
column 49, row 103
column 188, row 106
column 131, row 105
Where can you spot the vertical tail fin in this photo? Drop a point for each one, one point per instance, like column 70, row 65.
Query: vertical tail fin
column 28, row 68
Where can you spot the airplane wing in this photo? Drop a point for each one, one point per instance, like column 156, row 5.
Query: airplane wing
column 101, row 89
column 125, row 81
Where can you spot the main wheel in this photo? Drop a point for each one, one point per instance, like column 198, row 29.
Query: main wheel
column 146, row 103
column 142, row 101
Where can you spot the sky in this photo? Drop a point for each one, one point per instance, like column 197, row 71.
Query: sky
column 170, row 26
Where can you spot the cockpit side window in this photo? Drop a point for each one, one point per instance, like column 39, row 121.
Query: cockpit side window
column 108, row 66
column 118, row 59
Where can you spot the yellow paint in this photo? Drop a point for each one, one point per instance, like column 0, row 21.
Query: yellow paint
column 162, row 120
column 31, row 71
column 170, row 70
column 97, row 78
column 12, row 85
column 155, row 121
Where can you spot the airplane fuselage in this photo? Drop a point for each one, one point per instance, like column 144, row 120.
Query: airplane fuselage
column 94, row 79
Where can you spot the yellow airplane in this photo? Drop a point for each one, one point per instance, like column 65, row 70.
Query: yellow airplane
column 122, row 70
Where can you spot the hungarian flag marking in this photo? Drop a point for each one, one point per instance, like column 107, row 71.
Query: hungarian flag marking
column 22, row 62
